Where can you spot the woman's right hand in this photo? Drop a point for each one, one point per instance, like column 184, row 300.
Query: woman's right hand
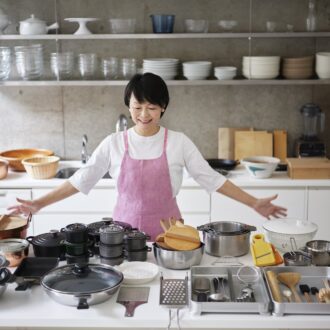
column 25, row 207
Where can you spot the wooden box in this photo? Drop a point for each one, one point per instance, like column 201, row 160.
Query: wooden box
column 308, row 168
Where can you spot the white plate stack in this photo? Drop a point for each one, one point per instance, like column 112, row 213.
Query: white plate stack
column 323, row 65
column 197, row 70
column 261, row 67
column 167, row 68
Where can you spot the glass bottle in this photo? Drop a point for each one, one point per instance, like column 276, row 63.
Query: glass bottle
column 311, row 18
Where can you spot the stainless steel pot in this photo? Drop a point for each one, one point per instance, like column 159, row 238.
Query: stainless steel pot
column 82, row 285
column 319, row 251
column 226, row 238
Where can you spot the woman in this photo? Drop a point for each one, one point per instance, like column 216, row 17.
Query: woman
column 147, row 162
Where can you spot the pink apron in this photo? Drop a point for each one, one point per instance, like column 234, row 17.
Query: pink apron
column 145, row 192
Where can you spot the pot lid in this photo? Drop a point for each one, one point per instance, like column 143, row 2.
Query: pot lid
column 111, row 229
column 290, row 226
column 135, row 234
column 13, row 245
column 94, row 228
column 32, row 20
column 13, row 222
column 51, row 239
column 82, row 279
column 74, row 227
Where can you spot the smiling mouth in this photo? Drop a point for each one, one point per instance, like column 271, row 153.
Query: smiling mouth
column 145, row 122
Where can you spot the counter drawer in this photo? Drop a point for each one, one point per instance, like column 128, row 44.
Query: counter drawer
column 8, row 197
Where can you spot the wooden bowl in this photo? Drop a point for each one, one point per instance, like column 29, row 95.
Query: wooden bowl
column 15, row 157
column 3, row 169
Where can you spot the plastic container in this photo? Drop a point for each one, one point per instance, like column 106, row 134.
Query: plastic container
column 162, row 23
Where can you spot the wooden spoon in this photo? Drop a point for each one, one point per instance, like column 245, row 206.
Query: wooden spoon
column 290, row 279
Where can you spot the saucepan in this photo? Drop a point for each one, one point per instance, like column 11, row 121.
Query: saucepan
column 14, row 226
column 226, row 238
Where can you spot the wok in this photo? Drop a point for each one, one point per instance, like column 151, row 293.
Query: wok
column 226, row 164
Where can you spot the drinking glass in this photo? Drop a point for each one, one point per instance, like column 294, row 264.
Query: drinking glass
column 87, row 63
column 110, row 68
column 128, row 68
column 62, row 65
column 5, row 62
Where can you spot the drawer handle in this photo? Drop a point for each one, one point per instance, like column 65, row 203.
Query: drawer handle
column 3, row 193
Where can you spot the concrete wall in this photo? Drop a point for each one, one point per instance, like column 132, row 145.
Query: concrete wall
column 56, row 117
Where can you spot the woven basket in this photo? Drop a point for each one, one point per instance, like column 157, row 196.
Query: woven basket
column 41, row 167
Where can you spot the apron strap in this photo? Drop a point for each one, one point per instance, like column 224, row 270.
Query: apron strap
column 126, row 140
column 165, row 140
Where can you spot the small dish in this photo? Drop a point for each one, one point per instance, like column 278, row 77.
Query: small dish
column 138, row 272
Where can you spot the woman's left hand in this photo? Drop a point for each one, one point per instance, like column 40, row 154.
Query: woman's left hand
column 264, row 207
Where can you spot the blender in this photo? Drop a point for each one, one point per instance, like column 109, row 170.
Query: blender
column 309, row 144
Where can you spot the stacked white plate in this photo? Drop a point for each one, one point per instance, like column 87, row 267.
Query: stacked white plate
column 197, row 70
column 323, row 65
column 167, row 68
column 261, row 67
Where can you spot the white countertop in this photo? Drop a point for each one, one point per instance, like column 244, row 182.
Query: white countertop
column 33, row 309
column 239, row 176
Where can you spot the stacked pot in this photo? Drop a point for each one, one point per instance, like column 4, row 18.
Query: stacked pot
column 111, row 244
column 135, row 246
column 76, row 243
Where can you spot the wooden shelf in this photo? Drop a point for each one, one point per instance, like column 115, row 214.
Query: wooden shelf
column 234, row 82
column 238, row 35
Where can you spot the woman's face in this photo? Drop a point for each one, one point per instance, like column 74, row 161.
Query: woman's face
column 145, row 116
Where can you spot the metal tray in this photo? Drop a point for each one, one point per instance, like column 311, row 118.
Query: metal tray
column 262, row 302
column 310, row 275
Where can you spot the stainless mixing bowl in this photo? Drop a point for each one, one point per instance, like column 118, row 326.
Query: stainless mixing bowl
column 178, row 259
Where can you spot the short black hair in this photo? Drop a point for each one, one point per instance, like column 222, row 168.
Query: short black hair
column 147, row 87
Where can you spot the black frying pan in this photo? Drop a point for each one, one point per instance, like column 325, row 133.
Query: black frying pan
column 225, row 164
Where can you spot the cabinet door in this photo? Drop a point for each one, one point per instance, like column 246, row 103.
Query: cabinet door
column 226, row 209
column 97, row 201
column 319, row 210
column 194, row 204
column 8, row 197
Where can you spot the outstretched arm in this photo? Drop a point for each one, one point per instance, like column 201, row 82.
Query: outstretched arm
column 261, row 205
column 26, row 206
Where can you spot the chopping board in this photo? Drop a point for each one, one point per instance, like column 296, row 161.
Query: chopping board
column 280, row 145
column 256, row 143
column 182, row 237
column 308, row 168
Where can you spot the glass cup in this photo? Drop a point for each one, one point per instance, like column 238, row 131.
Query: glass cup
column 270, row 26
column 128, row 68
column 62, row 65
column 5, row 62
column 29, row 61
column 87, row 64
column 110, row 68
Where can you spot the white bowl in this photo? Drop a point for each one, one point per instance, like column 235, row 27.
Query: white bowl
column 260, row 167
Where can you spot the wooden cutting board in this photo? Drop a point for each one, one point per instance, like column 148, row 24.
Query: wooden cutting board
column 280, row 145
column 256, row 143
column 308, row 168
column 182, row 237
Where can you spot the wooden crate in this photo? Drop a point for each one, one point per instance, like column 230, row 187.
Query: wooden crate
column 308, row 168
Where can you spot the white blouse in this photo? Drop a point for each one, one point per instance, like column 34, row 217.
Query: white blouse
column 181, row 152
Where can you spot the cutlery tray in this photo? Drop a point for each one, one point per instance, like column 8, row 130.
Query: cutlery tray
column 310, row 275
column 262, row 302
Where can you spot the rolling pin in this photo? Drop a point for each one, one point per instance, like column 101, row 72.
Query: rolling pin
column 274, row 286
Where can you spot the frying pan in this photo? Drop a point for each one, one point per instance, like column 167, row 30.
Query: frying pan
column 226, row 164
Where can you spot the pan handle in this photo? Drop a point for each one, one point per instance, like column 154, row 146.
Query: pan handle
column 29, row 217
column 82, row 302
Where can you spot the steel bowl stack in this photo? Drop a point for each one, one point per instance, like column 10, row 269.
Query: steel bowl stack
column 167, row 68
column 261, row 67
column 298, row 68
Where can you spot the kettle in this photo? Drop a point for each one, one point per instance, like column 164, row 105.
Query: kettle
column 35, row 25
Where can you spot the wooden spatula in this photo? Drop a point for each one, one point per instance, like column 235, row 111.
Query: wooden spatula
column 182, row 237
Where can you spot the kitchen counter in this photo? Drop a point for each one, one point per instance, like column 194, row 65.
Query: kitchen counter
column 239, row 176
column 33, row 309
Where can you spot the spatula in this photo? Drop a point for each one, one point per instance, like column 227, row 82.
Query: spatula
column 131, row 297
column 290, row 279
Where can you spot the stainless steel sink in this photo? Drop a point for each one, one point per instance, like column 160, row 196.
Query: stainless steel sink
column 65, row 173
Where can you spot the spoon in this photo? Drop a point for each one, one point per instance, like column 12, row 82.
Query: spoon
column 219, row 293
column 287, row 294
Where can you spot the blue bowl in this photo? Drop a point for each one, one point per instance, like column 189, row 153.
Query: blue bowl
column 162, row 23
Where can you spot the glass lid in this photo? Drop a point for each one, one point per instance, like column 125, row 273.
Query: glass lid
column 82, row 279
column 13, row 245
column 290, row 226
column 111, row 229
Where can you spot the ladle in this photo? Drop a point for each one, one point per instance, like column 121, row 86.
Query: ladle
column 219, row 290
column 290, row 279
